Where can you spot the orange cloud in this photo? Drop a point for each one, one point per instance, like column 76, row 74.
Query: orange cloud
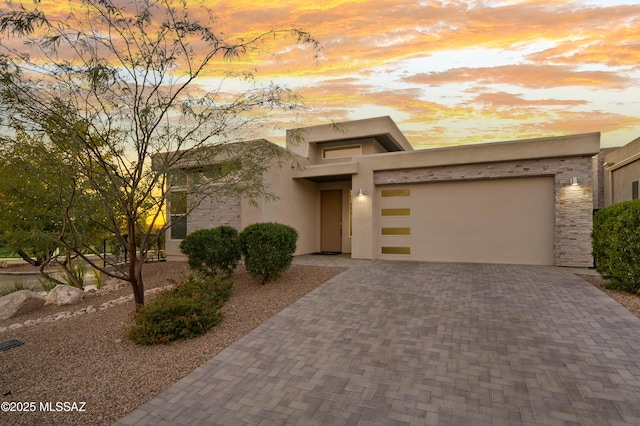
column 528, row 75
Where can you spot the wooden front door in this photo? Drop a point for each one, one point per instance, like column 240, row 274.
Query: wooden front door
column 331, row 221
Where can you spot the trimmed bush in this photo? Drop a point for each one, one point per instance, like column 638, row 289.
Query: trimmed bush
column 268, row 249
column 213, row 251
column 616, row 245
column 190, row 309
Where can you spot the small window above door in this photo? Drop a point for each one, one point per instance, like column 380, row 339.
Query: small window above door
column 341, row 151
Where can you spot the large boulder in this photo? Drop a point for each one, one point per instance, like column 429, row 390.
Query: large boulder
column 20, row 303
column 64, row 295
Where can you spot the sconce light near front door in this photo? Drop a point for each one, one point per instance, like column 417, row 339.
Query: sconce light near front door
column 360, row 193
column 574, row 181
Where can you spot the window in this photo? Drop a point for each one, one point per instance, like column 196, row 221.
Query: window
column 396, row 250
column 395, row 231
column 396, row 192
column 634, row 189
column 396, row 212
column 178, row 214
column 341, row 151
column 177, row 177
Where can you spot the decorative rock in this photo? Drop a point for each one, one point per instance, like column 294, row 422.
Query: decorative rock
column 113, row 284
column 92, row 288
column 64, row 295
column 19, row 302
column 88, row 310
column 62, row 315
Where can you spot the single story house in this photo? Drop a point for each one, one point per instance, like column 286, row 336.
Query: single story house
column 362, row 189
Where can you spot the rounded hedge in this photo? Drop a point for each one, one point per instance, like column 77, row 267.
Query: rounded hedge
column 213, row 251
column 616, row 245
column 268, row 249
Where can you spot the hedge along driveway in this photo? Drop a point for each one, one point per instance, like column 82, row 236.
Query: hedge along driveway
column 424, row 343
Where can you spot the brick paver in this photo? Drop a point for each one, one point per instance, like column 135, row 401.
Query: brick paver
column 399, row 343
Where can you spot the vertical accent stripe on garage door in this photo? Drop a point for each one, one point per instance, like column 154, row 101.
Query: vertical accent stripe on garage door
column 483, row 221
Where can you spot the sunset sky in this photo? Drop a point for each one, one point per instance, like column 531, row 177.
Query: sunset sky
column 459, row 72
column 447, row 72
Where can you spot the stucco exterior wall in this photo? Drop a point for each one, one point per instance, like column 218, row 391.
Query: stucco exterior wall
column 573, row 213
column 621, row 179
column 297, row 205
column 368, row 146
column 622, row 166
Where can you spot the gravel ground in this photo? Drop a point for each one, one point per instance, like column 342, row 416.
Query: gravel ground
column 628, row 300
column 88, row 359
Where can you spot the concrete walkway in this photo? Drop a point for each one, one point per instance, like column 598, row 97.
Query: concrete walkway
column 399, row 343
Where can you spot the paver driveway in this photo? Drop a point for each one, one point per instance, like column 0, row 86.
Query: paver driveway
column 424, row 343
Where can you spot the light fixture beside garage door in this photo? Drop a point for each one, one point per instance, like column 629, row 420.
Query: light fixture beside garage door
column 574, row 181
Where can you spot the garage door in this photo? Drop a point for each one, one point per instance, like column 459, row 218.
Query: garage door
column 485, row 221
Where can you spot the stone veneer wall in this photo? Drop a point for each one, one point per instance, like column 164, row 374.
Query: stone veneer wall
column 573, row 204
column 215, row 212
column 598, row 181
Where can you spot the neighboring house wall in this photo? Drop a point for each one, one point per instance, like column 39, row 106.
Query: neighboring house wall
column 622, row 168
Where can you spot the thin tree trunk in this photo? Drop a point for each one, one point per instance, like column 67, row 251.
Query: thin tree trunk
column 47, row 276
column 66, row 268
column 135, row 270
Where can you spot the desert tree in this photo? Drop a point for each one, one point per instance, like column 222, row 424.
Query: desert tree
column 27, row 206
column 34, row 202
column 112, row 86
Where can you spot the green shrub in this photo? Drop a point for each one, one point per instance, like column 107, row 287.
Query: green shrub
column 189, row 310
column 616, row 245
column 212, row 251
column 268, row 249
column 200, row 286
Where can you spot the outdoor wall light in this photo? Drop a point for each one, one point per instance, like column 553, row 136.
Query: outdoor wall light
column 574, row 181
column 360, row 193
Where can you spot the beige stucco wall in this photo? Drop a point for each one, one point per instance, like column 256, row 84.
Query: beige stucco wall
column 368, row 146
column 297, row 205
column 622, row 166
column 302, row 141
